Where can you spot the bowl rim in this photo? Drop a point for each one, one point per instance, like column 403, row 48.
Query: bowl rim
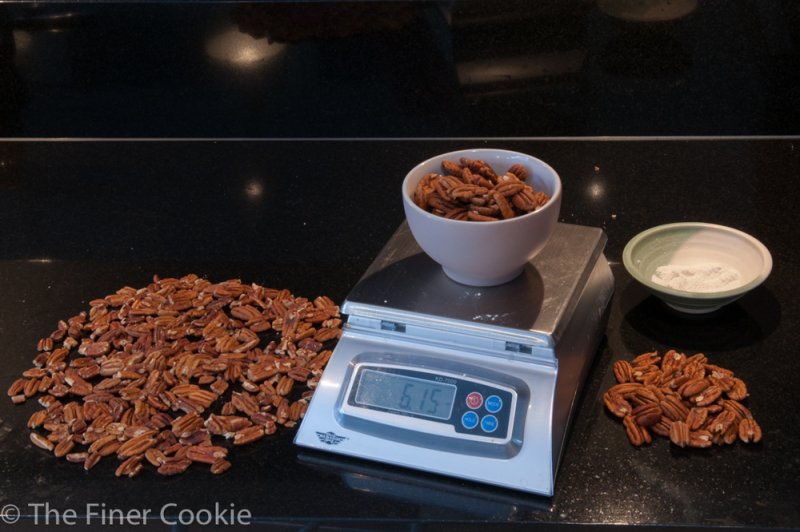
column 413, row 205
column 627, row 260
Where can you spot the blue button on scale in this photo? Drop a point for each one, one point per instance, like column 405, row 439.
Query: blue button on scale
column 493, row 404
column 489, row 423
column 469, row 420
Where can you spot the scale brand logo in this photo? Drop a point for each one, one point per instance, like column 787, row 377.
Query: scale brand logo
column 330, row 438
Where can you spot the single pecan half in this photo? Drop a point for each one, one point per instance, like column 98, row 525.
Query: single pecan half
column 749, row 431
column 647, row 414
column 679, row 433
column 636, row 435
column 616, row 404
column 623, row 371
column 700, row 439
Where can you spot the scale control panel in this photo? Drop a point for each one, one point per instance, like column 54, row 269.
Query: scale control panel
column 432, row 407
column 485, row 411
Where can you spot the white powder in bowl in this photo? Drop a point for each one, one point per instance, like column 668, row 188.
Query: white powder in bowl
column 706, row 277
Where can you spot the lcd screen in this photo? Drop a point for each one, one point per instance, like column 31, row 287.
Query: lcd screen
column 402, row 393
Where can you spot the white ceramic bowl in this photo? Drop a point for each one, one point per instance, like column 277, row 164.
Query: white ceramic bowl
column 484, row 253
column 694, row 244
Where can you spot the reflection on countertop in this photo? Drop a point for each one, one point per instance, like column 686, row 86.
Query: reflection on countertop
column 400, row 69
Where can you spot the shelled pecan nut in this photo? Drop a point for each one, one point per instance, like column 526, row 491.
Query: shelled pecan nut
column 637, row 434
column 623, row 371
column 749, row 431
column 616, row 404
column 647, row 414
column 679, row 433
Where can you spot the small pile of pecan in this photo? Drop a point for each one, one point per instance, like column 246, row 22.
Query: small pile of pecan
column 153, row 374
column 473, row 191
column 685, row 399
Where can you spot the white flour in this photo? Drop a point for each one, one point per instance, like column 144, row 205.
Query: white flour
column 706, row 277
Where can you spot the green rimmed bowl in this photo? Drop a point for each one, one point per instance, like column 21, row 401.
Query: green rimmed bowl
column 691, row 244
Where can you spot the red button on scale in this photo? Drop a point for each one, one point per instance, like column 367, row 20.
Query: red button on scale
column 474, row 400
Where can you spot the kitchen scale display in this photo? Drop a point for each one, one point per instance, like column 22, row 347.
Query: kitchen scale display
column 477, row 383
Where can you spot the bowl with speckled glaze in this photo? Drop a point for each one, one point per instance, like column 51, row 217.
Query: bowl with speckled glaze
column 697, row 267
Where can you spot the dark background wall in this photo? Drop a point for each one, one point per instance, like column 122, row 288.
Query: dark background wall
column 400, row 69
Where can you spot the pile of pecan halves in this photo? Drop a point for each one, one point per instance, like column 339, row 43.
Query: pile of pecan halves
column 161, row 374
column 685, row 399
column 471, row 190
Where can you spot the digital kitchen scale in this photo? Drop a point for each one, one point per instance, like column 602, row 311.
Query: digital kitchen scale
column 477, row 383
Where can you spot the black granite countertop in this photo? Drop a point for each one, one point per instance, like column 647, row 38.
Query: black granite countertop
column 463, row 68
column 83, row 218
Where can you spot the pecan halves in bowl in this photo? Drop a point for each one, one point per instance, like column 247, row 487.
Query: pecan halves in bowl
column 470, row 189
